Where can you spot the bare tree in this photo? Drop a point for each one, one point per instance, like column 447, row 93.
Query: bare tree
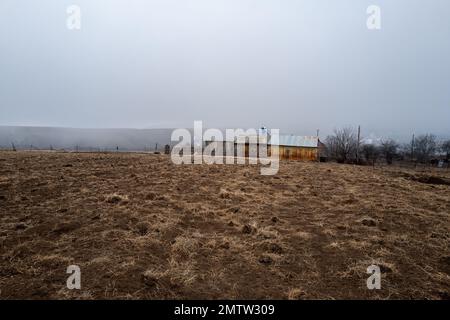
column 424, row 147
column 342, row 145
column 331, row 149
column 445, row 147
column 389, row 149
column 371, row 153
column 404, row 151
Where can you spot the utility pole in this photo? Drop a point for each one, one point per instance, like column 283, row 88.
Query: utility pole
column 357, row 146
column 412, row 147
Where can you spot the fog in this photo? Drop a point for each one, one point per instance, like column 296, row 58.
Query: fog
column 44, row 138
column 293, row 65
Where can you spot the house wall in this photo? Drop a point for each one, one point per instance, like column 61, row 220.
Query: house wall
column 298, row 153
column 290, row 153
column 286, row 152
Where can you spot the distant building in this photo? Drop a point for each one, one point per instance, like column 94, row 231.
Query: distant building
column 290, row 147
column 299, row 147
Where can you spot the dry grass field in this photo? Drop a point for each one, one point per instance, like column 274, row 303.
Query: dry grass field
column 141, row 227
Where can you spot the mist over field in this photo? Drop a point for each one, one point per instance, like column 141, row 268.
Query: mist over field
column 84, row 139
column 89, row 139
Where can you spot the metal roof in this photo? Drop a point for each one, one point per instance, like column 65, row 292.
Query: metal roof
column 283, row 140
column 298, row 141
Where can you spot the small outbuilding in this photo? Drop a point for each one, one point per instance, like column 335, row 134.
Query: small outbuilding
column 290, row 147
column 298, row 147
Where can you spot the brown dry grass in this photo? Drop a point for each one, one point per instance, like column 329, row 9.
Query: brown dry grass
column 142, row 228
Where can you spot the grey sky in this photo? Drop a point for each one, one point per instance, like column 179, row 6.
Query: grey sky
column 289, row 64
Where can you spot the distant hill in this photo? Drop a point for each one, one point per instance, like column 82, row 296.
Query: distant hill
column 83, row 139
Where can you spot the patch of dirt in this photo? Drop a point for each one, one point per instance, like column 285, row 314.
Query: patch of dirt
column 140, row 227
column 428, row 179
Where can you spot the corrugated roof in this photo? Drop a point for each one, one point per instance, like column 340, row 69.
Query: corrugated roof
column 298, row 141
column 283, row 140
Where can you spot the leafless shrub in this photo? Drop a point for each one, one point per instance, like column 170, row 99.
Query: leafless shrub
column 445, row 148
column 388, row 149
column 342, row 145
column 425, row 146
column 404, row 151
column 371, row 153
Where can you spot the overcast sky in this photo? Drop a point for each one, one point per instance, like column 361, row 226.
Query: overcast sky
column 297, row 65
